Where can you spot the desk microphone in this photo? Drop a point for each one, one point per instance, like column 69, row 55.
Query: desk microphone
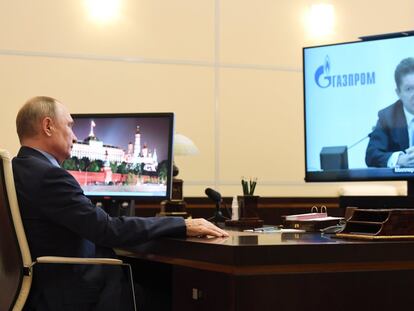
column 213, row 195
column 336, row 157
column 216, row 197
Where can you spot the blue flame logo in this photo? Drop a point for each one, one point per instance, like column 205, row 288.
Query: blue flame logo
column 322, row 77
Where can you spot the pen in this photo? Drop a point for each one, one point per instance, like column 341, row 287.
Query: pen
column 252, row 186
column 244, row 186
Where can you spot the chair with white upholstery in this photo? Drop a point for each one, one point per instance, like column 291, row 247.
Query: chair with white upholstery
column 16, row 264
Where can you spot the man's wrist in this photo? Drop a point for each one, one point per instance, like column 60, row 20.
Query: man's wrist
column 393, row 159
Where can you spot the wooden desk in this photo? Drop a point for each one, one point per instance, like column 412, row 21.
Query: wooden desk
column 286, row 271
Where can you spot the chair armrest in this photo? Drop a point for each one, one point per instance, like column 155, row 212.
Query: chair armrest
column 78, row 260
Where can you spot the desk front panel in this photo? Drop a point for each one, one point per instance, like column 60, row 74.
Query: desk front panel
column 282, row 272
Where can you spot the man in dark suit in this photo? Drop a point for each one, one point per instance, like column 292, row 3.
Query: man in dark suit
column 391, row 143
column 60, row 220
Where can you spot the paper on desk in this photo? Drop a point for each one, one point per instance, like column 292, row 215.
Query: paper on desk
column 292, row 231
column 306, row 216
column 311, row 217
column 276, row 231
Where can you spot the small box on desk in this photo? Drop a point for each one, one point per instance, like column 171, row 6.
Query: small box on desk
column 311, row 222
column 311, row 225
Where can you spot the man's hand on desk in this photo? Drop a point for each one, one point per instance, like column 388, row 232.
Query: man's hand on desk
column 202, row 227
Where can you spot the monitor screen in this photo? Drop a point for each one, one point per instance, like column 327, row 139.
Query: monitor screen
column 123, row 155
column 358, row 107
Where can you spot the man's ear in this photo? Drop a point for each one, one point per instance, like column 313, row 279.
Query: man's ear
column 47, row 126
column 398, row 92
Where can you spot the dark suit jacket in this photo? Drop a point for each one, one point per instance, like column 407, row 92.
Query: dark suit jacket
column 60, row 220
column 390, row 135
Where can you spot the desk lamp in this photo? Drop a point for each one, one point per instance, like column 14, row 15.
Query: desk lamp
column 183, row 146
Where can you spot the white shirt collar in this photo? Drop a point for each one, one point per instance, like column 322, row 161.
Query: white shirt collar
column 51, row 158
column 409, row 116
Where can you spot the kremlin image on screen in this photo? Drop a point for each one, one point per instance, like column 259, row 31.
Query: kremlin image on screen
column 120, row 156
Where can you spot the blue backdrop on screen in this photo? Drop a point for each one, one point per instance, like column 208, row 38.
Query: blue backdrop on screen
column 345, row 87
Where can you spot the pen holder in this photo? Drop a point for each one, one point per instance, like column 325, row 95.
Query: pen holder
column 249, row 216
column 248, row 206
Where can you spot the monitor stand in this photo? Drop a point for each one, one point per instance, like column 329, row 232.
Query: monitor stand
column 117, row 207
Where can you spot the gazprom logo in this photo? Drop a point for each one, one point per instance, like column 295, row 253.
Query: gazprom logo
column 324, row 79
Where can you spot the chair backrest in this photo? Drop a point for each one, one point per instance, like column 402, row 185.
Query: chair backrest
column 15, row 256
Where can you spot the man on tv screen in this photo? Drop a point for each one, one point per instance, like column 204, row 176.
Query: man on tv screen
column 391, row 143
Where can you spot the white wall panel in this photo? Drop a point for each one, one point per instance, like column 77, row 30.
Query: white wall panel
column 229, row 69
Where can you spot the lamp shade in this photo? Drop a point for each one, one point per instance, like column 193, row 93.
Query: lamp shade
column 184, row 146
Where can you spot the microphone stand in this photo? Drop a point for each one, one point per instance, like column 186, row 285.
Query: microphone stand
column 218, row 215
column 363, row 138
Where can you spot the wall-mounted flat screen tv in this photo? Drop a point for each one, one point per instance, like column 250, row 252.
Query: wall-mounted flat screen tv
column 359, row 108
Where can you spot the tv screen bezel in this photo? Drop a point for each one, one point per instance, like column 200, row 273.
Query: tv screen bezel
column 170, row 155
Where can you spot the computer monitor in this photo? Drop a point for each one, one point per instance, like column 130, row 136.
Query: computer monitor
column 123, row 155
column 355, row 113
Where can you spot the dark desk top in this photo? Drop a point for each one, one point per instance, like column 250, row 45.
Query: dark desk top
column 242, row 250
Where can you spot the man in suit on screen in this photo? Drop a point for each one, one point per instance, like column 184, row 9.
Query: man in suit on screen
column 391, row 143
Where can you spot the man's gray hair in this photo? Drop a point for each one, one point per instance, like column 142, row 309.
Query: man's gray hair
column 29, row 117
